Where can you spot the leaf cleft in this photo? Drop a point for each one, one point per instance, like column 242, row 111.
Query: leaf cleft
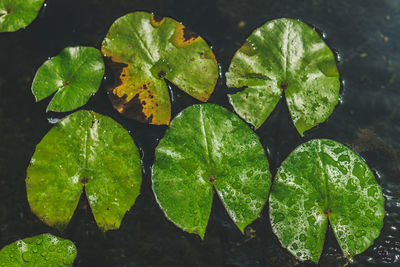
column 72, row 77
column 311, row 189
column 298, row 64
column 84, row 151
column 154, row 49
column 207, row 149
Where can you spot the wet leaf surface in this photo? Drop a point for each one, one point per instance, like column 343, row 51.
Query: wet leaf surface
column 17, row 14
column 209, row 147
column 74, row 76
column 322, row 181
column 284, row 56
column 40, row 250
column 87, row 151
column 146, row 49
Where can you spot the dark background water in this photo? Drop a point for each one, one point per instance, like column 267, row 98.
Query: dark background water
column 365, row 35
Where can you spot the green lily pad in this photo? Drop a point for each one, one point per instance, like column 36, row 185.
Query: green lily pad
column 322, row 181
column 40, row 250
column 17, row 14
column 145, row 49
column 209, row 147
column 284, row 56
column 87, row 151
column 74, row 76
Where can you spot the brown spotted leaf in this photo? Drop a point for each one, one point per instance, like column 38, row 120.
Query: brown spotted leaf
column 145, row 49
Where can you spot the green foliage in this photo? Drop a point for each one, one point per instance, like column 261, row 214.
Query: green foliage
column 284, row 56
column 87, row 151
column 75, row 75
column 145, row 49
column 208, row 147
column 17, row 14
column 322, row 181
column 40, row 250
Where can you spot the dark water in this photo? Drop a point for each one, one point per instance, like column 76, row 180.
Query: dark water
column 364, row 33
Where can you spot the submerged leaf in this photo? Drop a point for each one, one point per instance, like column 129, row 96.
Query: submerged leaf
column 323, row 181
column 40, row 250
column 17, row 14
column 87, row 151
column 284, row 56
column 209, row 147
column 74, row 75
column 145, row 49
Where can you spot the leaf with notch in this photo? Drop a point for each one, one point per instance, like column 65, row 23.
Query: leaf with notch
column 322, row 181
column 145, row 49
column 209, row 147
column 74, row 76
column 84, row 151
column 284, row 56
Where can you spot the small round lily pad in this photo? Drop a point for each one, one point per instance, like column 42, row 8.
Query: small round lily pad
column 74, row 76
column 17, row 14
column 144, row 49
column 323, row 181
column 84, row 151
column 209, row 147
column 40, row 250
column 284, row 56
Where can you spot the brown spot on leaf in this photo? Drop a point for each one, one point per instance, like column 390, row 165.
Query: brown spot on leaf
column 132, row 109
column 183, row 36
column 156, row 20
column 188, row 34
column 134, row 97
column 117, row 69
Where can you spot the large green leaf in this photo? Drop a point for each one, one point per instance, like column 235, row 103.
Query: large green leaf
column 40, row 250
column 323, row 181
column 84, row 150
column 284, row 55
column 75, row 75
column 17, row 14
column 208, row 147
column 146, row 49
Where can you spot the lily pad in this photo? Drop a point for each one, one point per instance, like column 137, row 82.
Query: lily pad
column 322, row 181
column 87, row 151
column 17, row 14
column 144, row 49
column 284, row 56
column 74, row 76
column 207, row 147
column 40, row 250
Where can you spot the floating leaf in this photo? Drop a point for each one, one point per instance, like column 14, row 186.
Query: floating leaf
column 75, row 75
column 17, row 14
column 208, row 147
column 40, row 250
column 323, row 181
column 145, row 49
column 84, row 150
column 284, row 56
